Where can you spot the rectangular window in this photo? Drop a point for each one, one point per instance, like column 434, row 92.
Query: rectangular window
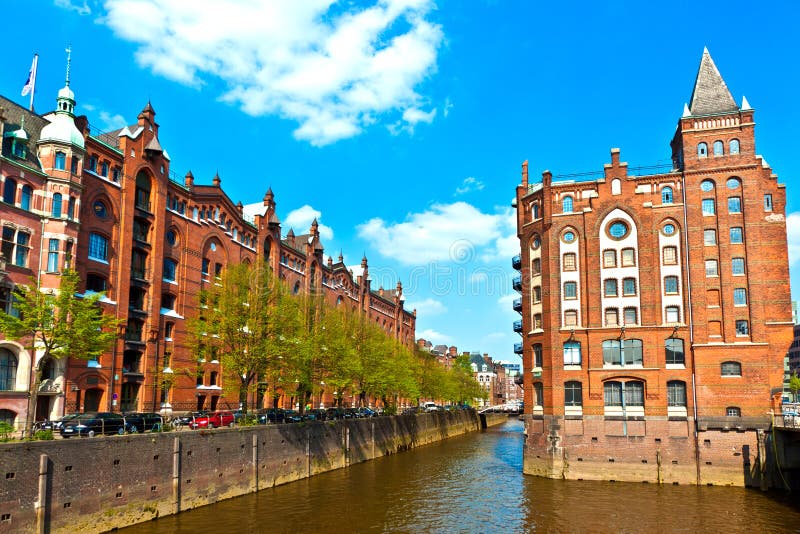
column 537, row 293
column 572, row 353
column 736, row 235
column 205, row 267
column 23, row 242
column 628, row 287
column 634, row 393
column 733, row 411
column 671, row 285
column 740, row 296
column 673, row 314
column 537, row 321
column 570, row 290
column 767, row 202
column 711, row 268
column 612, row 394
column 536, row 266
column 737, row 266
column 610, row 287
column 628, row 257
column 734, row 205
column 742, row 328
column 570, row 318
column 98, row 247
column 673, row 349
column 670, row 255
column 218, row 270
column 612, row 317
column 537, row 355
column 569, row 261
column 52, row 256
column 630, row 316
column 8, row 242
column 708, row 206
column 709, row 237
column 609, row 258
column 170, row 270
column 573, row 394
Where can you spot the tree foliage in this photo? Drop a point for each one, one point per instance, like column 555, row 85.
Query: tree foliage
column 260, row 331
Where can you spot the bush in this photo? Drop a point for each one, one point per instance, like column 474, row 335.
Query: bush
column 43, row 435
column 5, row 431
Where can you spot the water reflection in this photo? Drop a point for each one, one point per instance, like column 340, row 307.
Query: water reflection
column 474, row 483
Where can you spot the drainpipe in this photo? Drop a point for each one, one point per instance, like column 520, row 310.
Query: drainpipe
column 691, row 326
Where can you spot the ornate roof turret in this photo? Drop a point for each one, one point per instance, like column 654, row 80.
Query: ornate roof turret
column 269, row 197
column 216, row 180
column 188, row 180
column 710, row 95
column 290, row 233
column 62, row 127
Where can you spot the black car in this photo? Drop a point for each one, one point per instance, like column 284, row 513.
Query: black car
column 338, row 413
column 143, row 421
column 93, row 423
column 316, row 415
column 271, row 415
column 187, row 418
column 291, row 416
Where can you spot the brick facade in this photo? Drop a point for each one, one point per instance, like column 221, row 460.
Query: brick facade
column 150, row 241
column 654, row 302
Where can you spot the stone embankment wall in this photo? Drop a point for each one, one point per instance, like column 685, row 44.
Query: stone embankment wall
column 95, row 485
column 653, row 450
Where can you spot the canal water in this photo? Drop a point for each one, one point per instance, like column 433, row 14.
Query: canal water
column 474, row 483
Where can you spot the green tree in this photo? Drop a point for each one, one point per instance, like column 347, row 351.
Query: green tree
column 794, row 385
column 57, row 324
column 246, row 318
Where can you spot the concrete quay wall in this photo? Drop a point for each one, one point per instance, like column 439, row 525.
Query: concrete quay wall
column 657, row 450
column 95, row 485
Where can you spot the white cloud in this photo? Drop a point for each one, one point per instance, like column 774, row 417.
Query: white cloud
column 300, row 221
column 111, row 122
column 448, row 105
column 427, row 308
column 74, row 6
column 469, row 184
column 331, row 67
column 437, row 338
column 479, row 277
column 445, row 232
column 506, row 300
column 793, row 237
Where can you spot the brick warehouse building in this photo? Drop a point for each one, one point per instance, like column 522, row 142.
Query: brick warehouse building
column 656, row 307
column 109, row 206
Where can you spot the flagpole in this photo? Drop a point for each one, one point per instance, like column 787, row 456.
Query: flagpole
column 33, row 86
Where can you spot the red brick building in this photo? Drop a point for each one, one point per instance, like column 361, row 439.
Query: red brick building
column 656, row 306
column 110, row 206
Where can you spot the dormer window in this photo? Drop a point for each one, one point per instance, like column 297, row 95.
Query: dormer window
column 19, row 149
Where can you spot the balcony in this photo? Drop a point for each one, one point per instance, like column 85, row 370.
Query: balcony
column 516, row 283
column 517, row 305
column 516, row 262
column 517, row 348
column 131, row 366
column 518, row 326
column 49, row 386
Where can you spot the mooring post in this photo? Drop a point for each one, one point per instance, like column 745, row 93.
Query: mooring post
column 42, row 504
column 255, row 461
column 176, row 475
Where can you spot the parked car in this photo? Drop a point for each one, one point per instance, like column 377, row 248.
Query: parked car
column 316, row 415
column 143, row 421
column 55, row 424
column 338, row 413
column 291, row 416
column 367, row 412
column 271, row 415
column 93, row 423
column 186, row 419
column 213, row 420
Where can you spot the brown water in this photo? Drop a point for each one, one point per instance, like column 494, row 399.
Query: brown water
column 475, row 483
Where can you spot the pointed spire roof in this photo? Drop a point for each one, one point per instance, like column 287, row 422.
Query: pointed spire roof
column 710, row 94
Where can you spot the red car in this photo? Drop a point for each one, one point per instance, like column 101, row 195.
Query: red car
column 213, row 420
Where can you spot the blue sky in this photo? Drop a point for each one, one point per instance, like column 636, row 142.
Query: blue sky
column 402, row 124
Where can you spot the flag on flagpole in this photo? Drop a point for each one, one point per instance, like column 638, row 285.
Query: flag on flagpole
column 31, row 81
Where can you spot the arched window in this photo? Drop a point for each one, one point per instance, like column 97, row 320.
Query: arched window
column 676, row 393
column 702, row 150
column 731, row 369
column 27, row 195
column 8, row 370
column 572, row 353
column 719, row 148
column 170, row 270
column 296, row 289
column 570, row 290
column 10, row 191
column 666, row 195
column 616, row 186
column 673, row 352
column 61, row 161
column 143, row 191
column 573, row 393
column 566, row 204
column 56, row 211
column 733, row 147
column 535, row 210
column 8, row 417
